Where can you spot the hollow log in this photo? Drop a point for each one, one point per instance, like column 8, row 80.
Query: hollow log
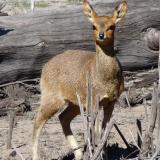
column 28, row 41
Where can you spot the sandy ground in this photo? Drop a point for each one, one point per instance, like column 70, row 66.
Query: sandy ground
column 52, row 141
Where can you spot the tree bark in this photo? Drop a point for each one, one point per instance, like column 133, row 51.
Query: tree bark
column 28, row 41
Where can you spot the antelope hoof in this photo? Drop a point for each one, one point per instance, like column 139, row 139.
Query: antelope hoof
column 78, row 155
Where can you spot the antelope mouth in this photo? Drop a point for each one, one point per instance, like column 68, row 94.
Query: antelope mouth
column 102, row 40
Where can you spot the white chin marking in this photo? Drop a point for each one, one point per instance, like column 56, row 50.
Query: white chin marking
column 101, row 40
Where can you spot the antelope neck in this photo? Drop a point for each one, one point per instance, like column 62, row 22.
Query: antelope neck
column 105, row 59
column 104, row 52
column 105, row 48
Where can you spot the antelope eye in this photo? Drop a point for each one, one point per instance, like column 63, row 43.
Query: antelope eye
column 94, row 28
column 112, row 27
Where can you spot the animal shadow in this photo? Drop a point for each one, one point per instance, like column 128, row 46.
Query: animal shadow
column 113, row 152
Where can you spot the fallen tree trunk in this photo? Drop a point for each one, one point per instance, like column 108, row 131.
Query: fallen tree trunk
column 28, row 41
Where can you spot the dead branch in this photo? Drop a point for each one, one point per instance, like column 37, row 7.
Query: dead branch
column 154, row 109
column 135, row 143
column 104, row 139
column 92, row 151
column 131, row 154
column 146, row 113
column 147, row 140
column 159, row 62
column 158, row 122
column 82, row 114
column 139, row 130
column 128, row 103
column 20, row 82
column 155, row 154
column 158, row 106
column 11, row 114
column 122, row 136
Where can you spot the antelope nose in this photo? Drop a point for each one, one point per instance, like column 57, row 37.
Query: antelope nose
column 101, row 35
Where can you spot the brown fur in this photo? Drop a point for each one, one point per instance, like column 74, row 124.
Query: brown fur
column 65, row 74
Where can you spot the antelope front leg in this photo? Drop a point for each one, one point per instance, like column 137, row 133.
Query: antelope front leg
column 65, row 119
column 107, row 116
column 107, row 113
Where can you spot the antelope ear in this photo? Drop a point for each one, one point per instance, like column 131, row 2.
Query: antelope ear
column 89, row 11
column 120, row 11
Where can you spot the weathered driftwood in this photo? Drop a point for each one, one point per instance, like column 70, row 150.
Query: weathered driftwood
column 152, row 37
column 28, row 41
column 147, row 144
column 17, row 100
column 3, row 14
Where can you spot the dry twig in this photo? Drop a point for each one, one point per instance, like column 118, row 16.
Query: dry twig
column 139, row 130
column 122, row 136
column 12, row 114
column 104, row 139
column 20, row 82
column 147, row 140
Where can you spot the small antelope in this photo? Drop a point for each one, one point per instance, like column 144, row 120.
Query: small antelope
column 65, row 74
